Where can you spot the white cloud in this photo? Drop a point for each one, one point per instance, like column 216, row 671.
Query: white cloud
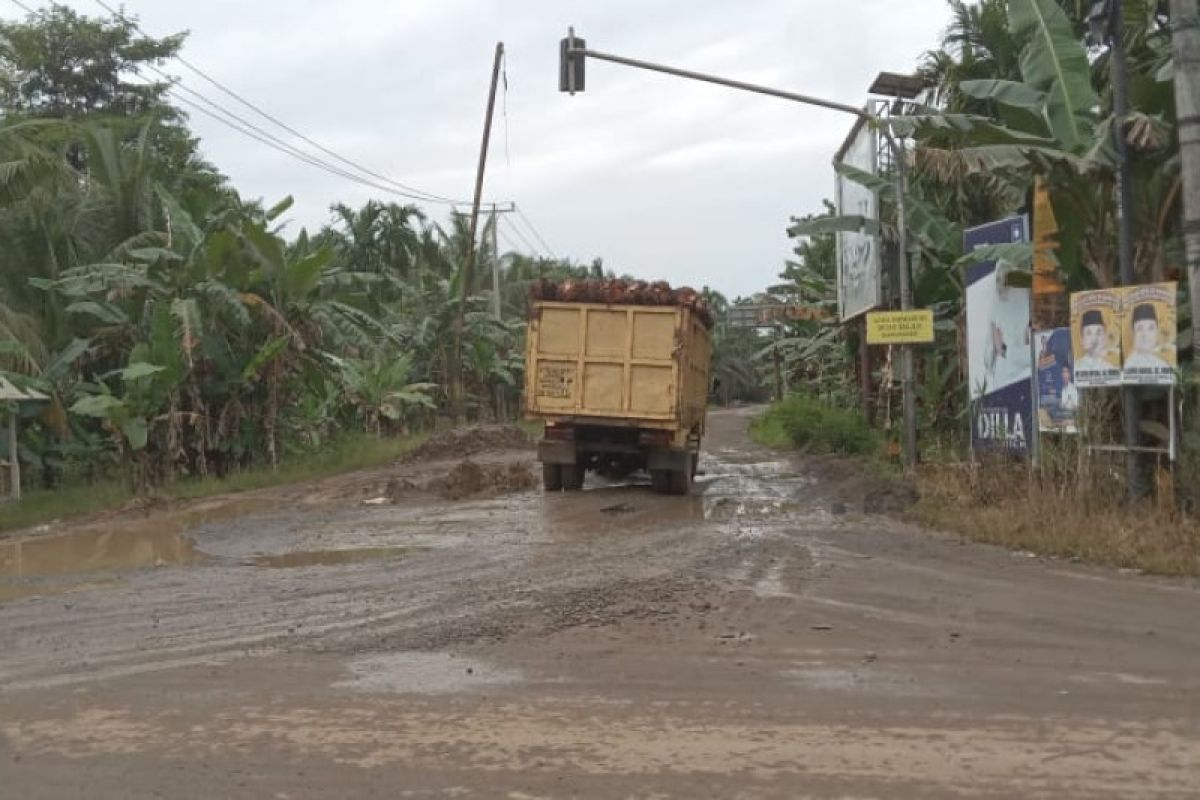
column 660, row 176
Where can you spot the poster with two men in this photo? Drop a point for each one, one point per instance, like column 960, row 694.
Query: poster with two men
column 1125, row 336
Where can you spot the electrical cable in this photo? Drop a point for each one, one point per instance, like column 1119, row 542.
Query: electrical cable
column 403, row 188
column 517, row 232
column 251, row 130
column 299, row 155
column 534, row 230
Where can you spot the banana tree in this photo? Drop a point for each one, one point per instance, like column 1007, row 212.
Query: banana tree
column 380, row 387
column 1053, row 122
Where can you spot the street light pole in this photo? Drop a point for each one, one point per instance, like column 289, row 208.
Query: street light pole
column 574, row 55
column 907, row 368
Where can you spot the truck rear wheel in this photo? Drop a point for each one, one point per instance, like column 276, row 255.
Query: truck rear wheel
column 660, row 480
column 552, row 477
column 681, row 479
column 572, row 477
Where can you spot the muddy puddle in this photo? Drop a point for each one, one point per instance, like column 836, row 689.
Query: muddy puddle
column 327, row 558
column 55, row 564
column 92, row 551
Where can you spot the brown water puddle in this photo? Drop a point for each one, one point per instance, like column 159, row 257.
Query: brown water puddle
column 95, row 551
column 67, row 562
column 327, row 558
column 58, row 564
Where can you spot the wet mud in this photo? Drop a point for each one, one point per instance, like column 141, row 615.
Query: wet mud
column 460, row 443
column 779, row 634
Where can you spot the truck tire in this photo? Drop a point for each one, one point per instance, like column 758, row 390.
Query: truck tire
column 552, row 477
column 572, row 477
column 681, row 480
column 660, row 480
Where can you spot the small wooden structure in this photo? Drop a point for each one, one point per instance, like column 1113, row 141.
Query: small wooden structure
column 12, row 397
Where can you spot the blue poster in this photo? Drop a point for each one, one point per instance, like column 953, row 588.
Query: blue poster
column 999, row 362
column 1058, row 396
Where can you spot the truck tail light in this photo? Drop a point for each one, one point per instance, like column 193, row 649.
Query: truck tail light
column 654, row 438
column 559, row 433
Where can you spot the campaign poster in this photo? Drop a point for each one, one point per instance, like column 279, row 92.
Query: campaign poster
column 859, row 287
column 1148, row 334
column 1057, row 394
column 999, row 362
column 1096, row 337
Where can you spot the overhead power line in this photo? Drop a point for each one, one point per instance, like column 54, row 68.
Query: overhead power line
column 285, row 149
column 524, row 239
column 536, row 235
column 400, row 188
column 241, row 125
column 508, row 243
column 248, row 128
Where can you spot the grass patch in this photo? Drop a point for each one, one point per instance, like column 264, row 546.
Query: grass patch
column 1059, row 513
column 350, row 453
column 805, row 422
column 41, row 505
column 533, row 427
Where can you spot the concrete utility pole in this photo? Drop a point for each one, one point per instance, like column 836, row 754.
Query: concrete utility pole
column 494, row 210
column 1185, row 24
column 458, row 389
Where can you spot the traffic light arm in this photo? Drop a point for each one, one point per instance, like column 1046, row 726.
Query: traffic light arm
column 580, row 53
column 574, row 51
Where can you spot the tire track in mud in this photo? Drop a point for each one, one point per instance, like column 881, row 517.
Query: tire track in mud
column 472, row 571
column 525, row 569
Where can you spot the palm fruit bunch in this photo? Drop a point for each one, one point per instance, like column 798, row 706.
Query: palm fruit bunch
column 619, row 291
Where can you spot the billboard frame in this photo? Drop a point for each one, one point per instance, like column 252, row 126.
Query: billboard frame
column 872, row 298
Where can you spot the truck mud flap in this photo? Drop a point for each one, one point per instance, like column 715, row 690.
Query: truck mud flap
column 668, row 460
column 556, row 452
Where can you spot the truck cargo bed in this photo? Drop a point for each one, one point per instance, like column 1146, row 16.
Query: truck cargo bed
column 622, row 364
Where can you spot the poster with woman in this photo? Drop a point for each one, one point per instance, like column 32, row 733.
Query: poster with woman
column 1148, row 334
column 1096, row 337
column 1057, row 394
column 999, row 361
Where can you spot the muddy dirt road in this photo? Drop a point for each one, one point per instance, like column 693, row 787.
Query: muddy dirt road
column 765, row 638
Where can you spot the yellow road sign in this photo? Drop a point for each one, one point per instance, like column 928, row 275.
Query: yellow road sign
column 900, row 327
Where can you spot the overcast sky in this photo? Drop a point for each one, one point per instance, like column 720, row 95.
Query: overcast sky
column 659, row 176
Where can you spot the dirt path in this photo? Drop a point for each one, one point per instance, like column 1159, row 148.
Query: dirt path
column 764, row 638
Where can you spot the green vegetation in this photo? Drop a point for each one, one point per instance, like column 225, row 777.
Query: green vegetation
column 352, row 452
column 1016, row 97
column 809, row 423
column 180, row 335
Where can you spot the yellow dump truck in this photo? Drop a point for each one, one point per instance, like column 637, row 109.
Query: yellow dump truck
column 620, row 388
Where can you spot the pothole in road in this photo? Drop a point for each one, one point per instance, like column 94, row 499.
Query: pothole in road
column 54, row 564
column 327, row 558
column 424, row 673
